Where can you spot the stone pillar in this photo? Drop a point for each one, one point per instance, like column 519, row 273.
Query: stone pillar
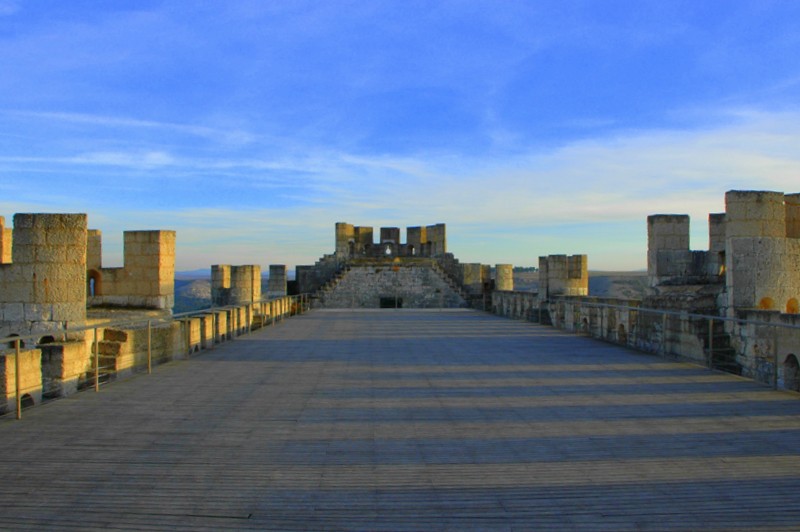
column 437, row 239
column 277, row 281
column 665, row 232
column 544, row 286
column 504, row 277
column 364, row 238
column 667, row 246
column 416, row 238
column 345, row 235
column 577, row 283
column 6, row 237
column 150, row 263
column 94, row 250
column 245, row 280
column 220, row 284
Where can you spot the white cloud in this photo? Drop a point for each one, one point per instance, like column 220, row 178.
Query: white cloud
column 589, row 196
column 147, row 159
column 228, row 136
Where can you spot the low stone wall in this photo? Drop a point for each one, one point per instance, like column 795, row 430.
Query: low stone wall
column 63, row 365
column 59, row 369
column 766, row 353
column 30, row 386
column 620, row 321
column 516, row 305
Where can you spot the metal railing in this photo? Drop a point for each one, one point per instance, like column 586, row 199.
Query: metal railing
column 720, row 342
column 257, row 313
column 704, row 327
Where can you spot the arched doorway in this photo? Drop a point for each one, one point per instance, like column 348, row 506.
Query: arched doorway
column 94, row 284
column 26, row 401
column 791, row 369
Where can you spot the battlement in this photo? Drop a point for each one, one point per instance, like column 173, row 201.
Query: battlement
column 562, row 275
column 504, row 277
column 357, row 242
column 42, row 286
column 235, row 285
column 669, row 258
column 752, row 255
column 147, row 279
column 277, row 283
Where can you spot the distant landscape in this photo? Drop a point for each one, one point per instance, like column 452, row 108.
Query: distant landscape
column 193, row 289
column 622, row 285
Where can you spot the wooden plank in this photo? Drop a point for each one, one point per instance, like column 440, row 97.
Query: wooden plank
column 408, row 420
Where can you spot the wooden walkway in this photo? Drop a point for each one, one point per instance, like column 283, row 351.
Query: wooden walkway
column 409, row 420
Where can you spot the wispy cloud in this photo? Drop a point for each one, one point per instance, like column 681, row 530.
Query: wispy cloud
column 232, row 136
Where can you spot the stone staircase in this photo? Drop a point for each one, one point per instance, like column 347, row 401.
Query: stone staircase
column 448, row 279
column 331, row 284
column 414, row 283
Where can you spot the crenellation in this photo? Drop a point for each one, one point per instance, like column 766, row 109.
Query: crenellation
column 755, row 214
column 235, row 285
column 354, row 242
column 147, row 278
column 560, row 275
column 277, row 283
column 504, row 277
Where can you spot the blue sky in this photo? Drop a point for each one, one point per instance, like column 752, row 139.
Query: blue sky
column 530, row 128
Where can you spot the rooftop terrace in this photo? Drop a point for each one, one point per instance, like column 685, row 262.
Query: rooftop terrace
column 408, row 420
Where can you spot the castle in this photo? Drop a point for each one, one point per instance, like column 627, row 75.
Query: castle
column 417, row 273
column 733, row 306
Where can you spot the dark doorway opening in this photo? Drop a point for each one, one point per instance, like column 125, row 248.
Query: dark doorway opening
column 391, row 302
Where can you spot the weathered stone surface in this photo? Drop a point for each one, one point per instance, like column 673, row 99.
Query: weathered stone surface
column 392, row 284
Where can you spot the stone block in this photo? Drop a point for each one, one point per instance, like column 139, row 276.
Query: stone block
column 14, row 312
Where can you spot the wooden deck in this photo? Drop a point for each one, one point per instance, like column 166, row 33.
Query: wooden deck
column 409, row 420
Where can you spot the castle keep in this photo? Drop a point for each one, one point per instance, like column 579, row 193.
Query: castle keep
column 417, row 273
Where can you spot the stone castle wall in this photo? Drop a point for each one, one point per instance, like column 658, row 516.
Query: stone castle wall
column 43, row 288
column 414, row 286
column 762, row 266
column 147, row 279
column 58, row 369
